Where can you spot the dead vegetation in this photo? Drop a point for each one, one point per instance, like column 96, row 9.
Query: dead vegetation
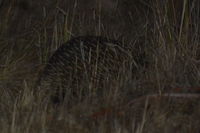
column 163, row 97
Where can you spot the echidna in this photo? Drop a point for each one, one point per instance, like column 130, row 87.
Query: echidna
column 81, row 66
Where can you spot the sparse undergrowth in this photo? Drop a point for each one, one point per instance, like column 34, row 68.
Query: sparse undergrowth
column 164, row 34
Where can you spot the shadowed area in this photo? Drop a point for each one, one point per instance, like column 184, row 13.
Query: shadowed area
column 105, row 66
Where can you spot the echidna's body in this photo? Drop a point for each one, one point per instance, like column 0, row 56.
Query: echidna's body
column 82, row 65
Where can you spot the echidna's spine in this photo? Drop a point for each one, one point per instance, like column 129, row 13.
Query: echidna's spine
column 84, row 57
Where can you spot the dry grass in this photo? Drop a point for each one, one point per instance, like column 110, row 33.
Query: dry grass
column 170, row 44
